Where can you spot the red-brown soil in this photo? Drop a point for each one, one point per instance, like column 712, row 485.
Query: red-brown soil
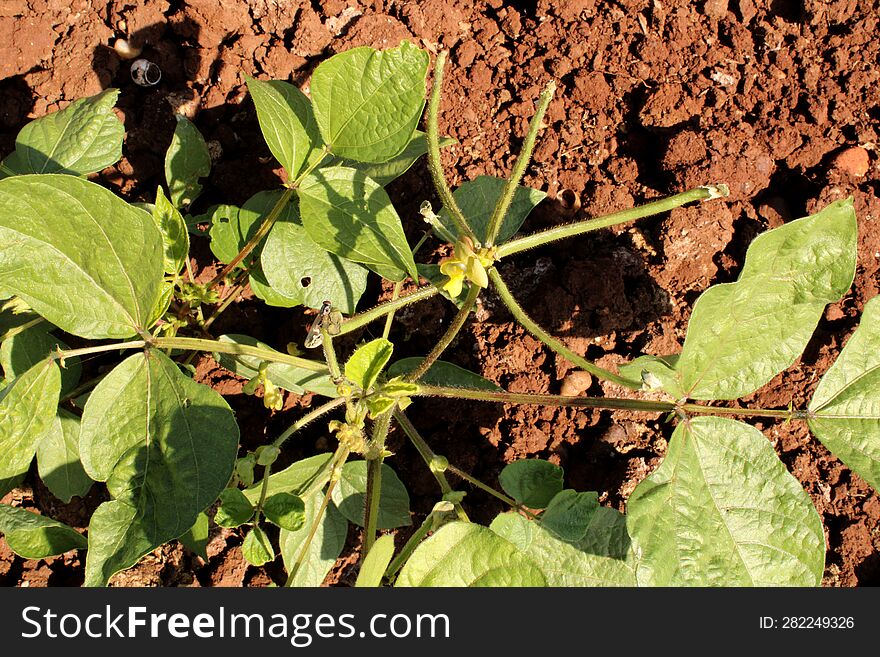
column 781, row 103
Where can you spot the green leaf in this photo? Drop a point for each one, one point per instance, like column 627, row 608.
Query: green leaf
column 367, row 103
column 196, row 539
column 477, row 199
column 234, row 509
column 288, row 124
column 654, row 372
column 15, row 313
column 9, row 483
column 845, row 408
column 531, row 482
column 376, row 562
column 83, row 138
column 285, row 510
column 166, row 447
column 351, row 492
column 262, row 290
column 464, row 554
column 325, row 547
column 58, row 459
column 742, row 334
column 442, row 373
column 32, row 536
column 384, row 172
column 296, row 479
column 601, row 558
column 569, row 514
column 290, row 377
column 297, row 268
column 256, row 549
column 367, row 362
column 27, row 411
column 175, row 236
column 21, row 352
column 232, row 227
column 722, row 510
column 81, row 257
column 350, row 215
column 186, row 162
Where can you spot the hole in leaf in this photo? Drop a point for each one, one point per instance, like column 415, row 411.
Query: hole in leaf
column 306, row 281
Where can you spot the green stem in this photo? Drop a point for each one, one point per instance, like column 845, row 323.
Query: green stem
column 362, row 319
column 21, row 329
column 488, row 489
column 624, row 216
column 314, row 165
column 374, row 481
column 308, row 418
column 556, row 345
column 608, row 403
column 223, row 306
column 429, row 457
column 330, row 354
column 258, row 237
column 447, row 338
column 411, row 544
column 519, row 169
column 395, row 294
column 433, row 138
column 339, row 459
column 264, row 491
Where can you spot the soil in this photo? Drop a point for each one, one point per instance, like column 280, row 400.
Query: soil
column 781, row 103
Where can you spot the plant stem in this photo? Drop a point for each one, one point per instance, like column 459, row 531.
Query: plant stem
column 488, row 489
column 330, row 354
column 433, row 138
column 362, row 319
column 36, row 321
column 308, row 418
column 398, row 286
column 447, row 338
column 411, row 544
column 525, row 155
column 429, row 457
column 314, row 165
column 264, row 491
column 556, row 345
column 339, row 458
column 609, row 403
column 624, row 216
column 374, row 481
column 258, row 237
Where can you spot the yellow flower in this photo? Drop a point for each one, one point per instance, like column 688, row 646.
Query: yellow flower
column 467, row 263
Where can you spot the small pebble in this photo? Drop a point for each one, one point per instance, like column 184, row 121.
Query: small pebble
column 576, row 384
column 854, row 161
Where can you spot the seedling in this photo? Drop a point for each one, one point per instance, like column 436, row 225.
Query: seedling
column 77, row 261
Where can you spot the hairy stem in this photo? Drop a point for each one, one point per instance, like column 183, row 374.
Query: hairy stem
column 410, row 546
column 308, row 418
column 488, row 489
column 556, row 345
column 447, row 338
column 374, row 481
column 362, row 319
column 525, row 155
column 624, row 216
column 433, row 138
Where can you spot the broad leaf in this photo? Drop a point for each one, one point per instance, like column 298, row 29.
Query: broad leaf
column 285, row 510
column 9, row 483
column 531, row 482
column 442, row 373
column 290, row 377
column 21, row 352
column 464, row 554
column 376, row 562
column 262, row 290
column 58, row 459
column 350, row 215
column 742, row 334
column 367, row 103
column 845, row 409
column 256, row 549
column 27, row 411
column 722, row 510
column 325, row 547
column 288, row 124
column 83, row 138
column 384, row 172
column 477, row 199
column 367, row 363
column 569, row 513
column 350, row 496
column 36, row 537
column 653, row 373
column 78, row 255
column 186, row 162
column 601, row 558
column 234, row 509
column 175, row 237
column 309, row 474
column 196, row 539
column 166, row 447
column 297, row 268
